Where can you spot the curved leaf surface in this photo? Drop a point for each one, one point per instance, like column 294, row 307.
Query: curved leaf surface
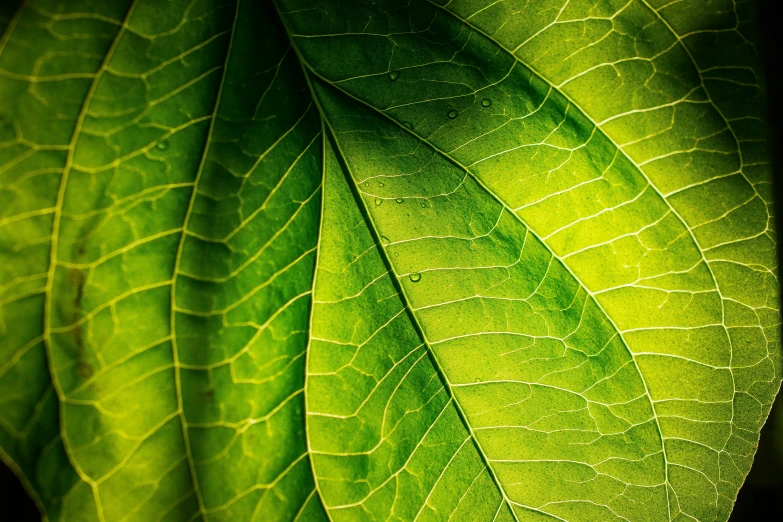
column 320, row 260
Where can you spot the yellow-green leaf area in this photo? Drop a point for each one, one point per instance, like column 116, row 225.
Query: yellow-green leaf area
column 319, row 261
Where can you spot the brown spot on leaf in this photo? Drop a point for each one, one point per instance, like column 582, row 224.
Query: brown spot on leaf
column 84, row 370
column 77, row 337
column 76, row 278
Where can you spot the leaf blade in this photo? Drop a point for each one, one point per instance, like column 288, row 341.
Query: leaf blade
column 559, row 199
column 368, row 87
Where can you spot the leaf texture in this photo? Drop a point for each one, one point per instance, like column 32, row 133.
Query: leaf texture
column 308, row 260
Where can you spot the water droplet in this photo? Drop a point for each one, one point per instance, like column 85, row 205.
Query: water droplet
column 423, row 205
column 384, row 240
column 393, row 75
column 415, row 277
column 380, row 184
column 163, row 145
column 399, row 200
column 366, row 183
column 478, row 379
column 408, row 125
column 378, row 202
column 486, row 102
column 396, row 254
column 453, row 113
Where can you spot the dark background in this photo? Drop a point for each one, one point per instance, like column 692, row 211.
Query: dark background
column 762, row 492
column 763, row 488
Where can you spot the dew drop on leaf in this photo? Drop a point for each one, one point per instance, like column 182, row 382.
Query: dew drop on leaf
column 380, row 184
column 486, row 102
column 408, row 125
column 478, row 379
column 378, row 201
column 453, row 113
column 423, row 205
column 393, row 75
column 399, row 200
column 384, row 240
column 415, row 277
column 163, row 145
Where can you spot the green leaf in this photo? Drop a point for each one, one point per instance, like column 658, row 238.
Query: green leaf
column 308, row 260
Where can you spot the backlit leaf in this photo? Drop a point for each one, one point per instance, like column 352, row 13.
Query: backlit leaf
column 318, row 260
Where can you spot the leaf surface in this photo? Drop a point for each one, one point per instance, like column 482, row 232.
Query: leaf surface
column 312, row 260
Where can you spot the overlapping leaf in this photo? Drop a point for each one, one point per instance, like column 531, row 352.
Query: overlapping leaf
column 317, row 260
